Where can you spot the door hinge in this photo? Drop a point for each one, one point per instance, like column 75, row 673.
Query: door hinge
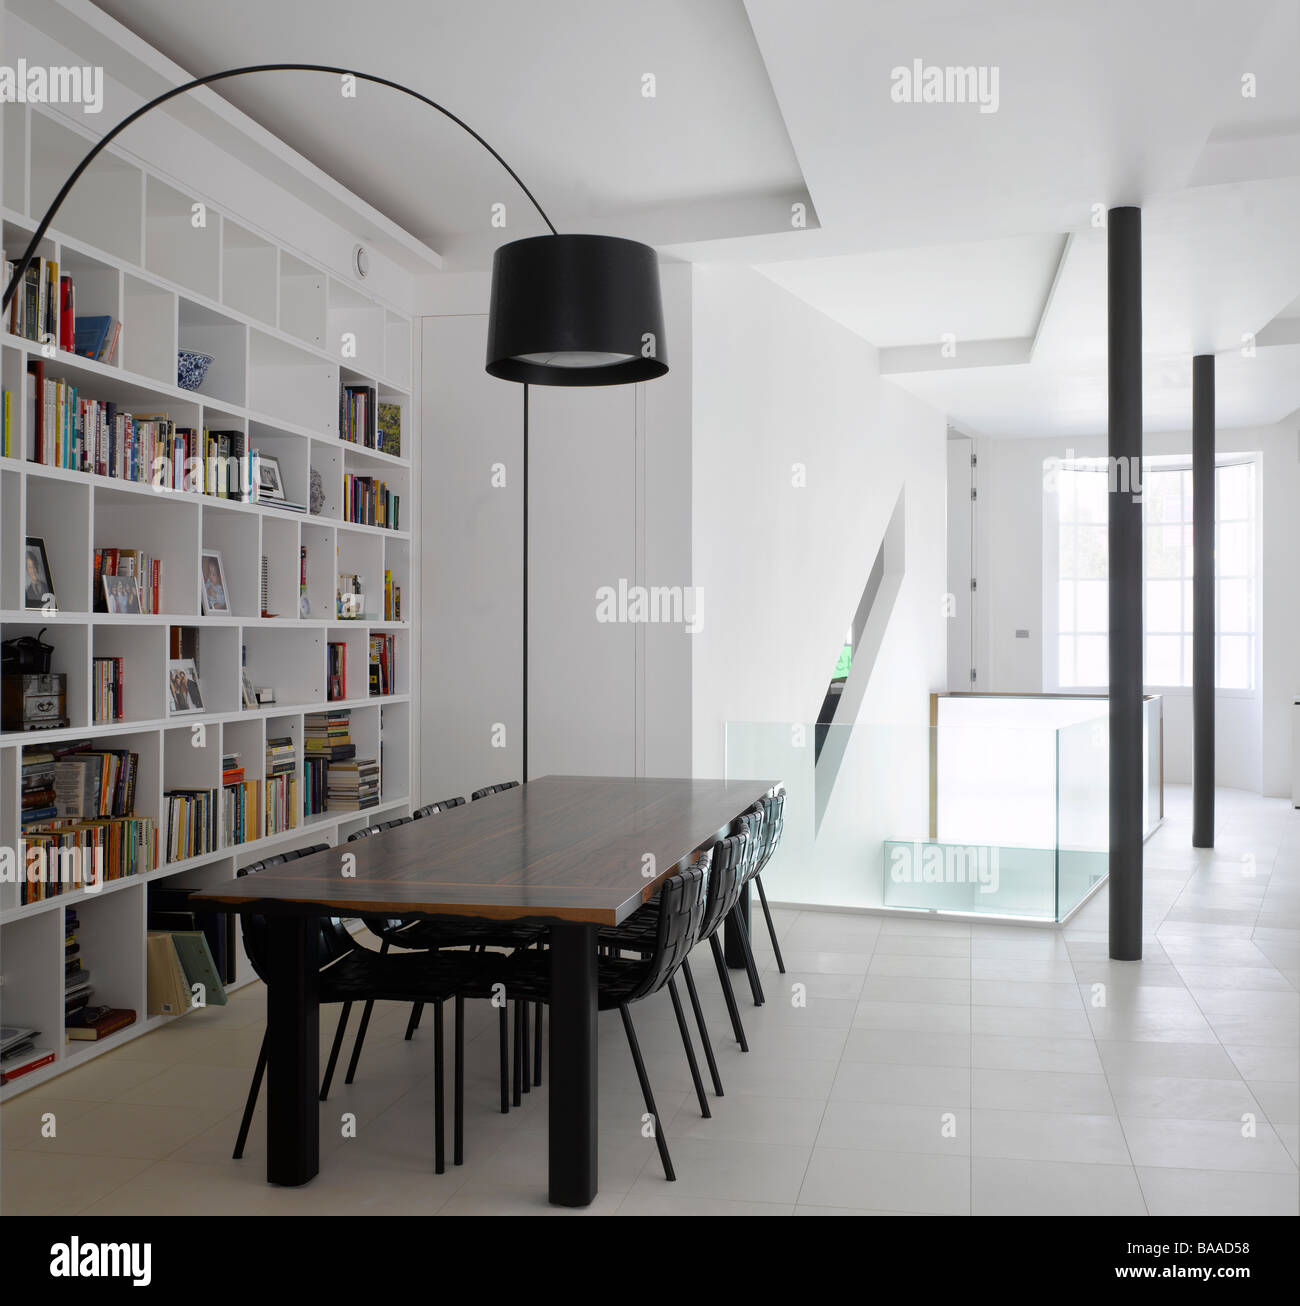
column 974, row 584
column 972, row 675
column 974, row 493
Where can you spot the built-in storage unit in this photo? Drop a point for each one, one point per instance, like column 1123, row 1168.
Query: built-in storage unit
column 283, row 335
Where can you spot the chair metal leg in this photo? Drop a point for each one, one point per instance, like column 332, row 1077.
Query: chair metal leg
column 504, row 1024
column 253, row 1090
column 660, row 1141
column 414, row 1023
column 334, row 1050
column 526, row 1047
column 771, row 929
column 518, row 1094
column 755, row 987
column 361, row 1030
column 728, row 992
column 700, row 1095
column 537, row 1044
column 701, row 1026
column 439, row 1072
column 458, row 1089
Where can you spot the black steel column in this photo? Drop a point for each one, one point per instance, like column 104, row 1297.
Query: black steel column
column 1124, row 537
column 524, row 664
column 1203, row 601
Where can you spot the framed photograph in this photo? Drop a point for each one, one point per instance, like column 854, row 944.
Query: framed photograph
column 38, row 583
column 246, row 690
column 213, row 591
column 270, row 484
column 122, row 595
column 183, row 691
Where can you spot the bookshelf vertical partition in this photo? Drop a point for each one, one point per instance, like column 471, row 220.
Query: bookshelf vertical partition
column 272, row 322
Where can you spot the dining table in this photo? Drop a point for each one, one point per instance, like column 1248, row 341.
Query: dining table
column 572, row 852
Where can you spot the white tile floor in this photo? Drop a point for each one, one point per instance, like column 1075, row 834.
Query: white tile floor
column 936, row 1068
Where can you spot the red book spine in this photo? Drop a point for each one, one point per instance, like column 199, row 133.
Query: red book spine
column 65, row 314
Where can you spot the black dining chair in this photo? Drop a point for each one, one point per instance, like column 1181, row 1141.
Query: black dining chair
column 621, row 981
column 488, row 790
column 442, row 805
column 773, row 826
column 754, row 821
column 352, row 973
column 431, row 935
column 728, row 862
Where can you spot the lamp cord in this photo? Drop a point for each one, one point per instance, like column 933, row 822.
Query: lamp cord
column 20, row 267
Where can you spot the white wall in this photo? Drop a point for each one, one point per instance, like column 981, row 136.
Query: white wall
column 610, row 500
column 779, row 386
column 1252, row 734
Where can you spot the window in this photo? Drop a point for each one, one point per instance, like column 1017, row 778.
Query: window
column 1082, row 487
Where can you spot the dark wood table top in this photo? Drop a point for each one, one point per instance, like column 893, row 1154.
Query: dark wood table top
column 564, row 847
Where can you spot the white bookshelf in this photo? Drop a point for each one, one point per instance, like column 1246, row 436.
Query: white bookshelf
column 274, row 320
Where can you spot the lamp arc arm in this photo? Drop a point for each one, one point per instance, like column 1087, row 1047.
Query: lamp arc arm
column 21, row 266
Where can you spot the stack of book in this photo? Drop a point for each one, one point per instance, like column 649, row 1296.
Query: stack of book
column 369, row 502
column 20, row 1053
column 106, row 689
column 383, row 673
column 239, row 802
column 228, row 467
column 76, row 991
column 41, row 309
column 84, row 830
column 191, row 822
column 93, row 1023
column 281, row 786
column 137, row 564
column 354, row 784
column 358, row 416
column 327, row 739
column 38, row 787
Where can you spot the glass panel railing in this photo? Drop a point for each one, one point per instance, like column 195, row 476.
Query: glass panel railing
column 1006, row 817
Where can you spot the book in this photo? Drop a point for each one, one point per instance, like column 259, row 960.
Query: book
column 24, row 1064
column 199, row 967
column 91, row 335
column 167, row 992
column 80, row 1027
column 390, row 429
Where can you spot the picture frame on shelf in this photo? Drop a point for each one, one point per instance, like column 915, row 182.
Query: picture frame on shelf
column 38, row 581
column 270, row 480
column 122, row 595
column 214, row 593
column 247, row 693
column 184, row 693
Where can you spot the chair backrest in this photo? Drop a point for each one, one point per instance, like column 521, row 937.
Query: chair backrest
column 335, row 941
column 431, row 809
column 681, row 913
column 729, row 861
column 383, row 927
column 773, row 825
column 493, row 789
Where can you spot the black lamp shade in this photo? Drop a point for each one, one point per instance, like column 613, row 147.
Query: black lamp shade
column 576, row 310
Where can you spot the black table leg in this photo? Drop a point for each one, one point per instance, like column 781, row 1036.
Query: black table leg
column 573, row 1090
column 293, row 1035
column 734, row 948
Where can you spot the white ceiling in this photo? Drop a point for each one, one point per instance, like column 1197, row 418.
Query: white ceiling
column 555, row 87
column 1102, row 103
column 927, row 220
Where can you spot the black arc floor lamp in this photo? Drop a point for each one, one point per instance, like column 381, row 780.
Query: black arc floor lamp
column 566, row 310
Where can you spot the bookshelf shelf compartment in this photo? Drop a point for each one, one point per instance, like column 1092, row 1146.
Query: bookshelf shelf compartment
column 58, row 512
column 226, row 341
column 248, row 273
column 106, row 206
column 175, row 248
column 144, row 653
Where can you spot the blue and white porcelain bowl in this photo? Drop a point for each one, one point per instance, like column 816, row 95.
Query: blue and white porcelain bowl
column 191, row 368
